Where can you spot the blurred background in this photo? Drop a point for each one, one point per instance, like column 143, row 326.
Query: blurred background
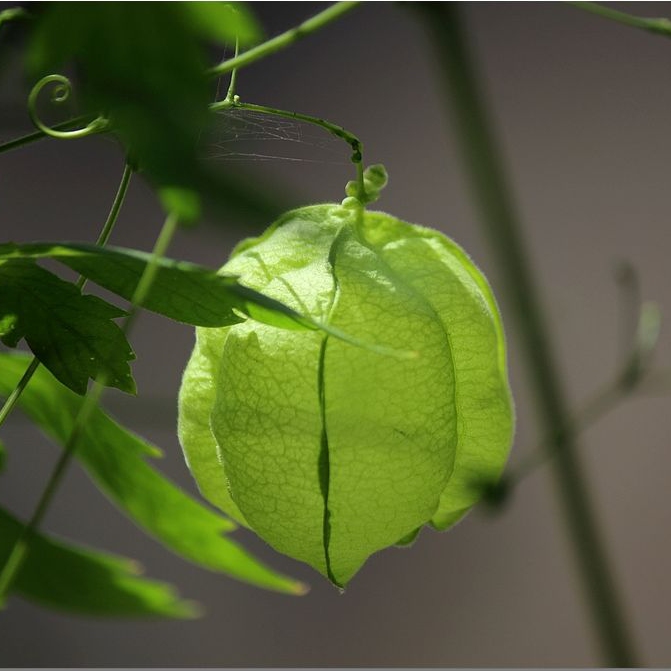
column 582, row 108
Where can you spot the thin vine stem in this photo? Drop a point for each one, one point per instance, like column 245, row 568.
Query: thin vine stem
column 338, row 131
column 660, row 26
column 13, row 398
column 37, row 135
column 230, row 94
column 499, row 218
column 102, row 240
column 285, row 39
column 21, row 547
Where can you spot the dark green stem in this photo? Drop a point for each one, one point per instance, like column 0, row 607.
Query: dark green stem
column 39, row 135
column 338, row 131
column 284, row 40
column 499, row 218
column 13, row 398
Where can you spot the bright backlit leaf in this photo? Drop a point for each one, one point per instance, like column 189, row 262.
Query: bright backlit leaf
column 73, row 335
column 332, row 452
column 116, row 459
column 87, row 582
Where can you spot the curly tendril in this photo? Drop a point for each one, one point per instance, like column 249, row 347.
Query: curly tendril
column 59, row 94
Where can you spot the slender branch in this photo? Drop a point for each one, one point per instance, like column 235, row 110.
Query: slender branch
column 339, row 132
column 285, row 39
column 21, row 547
column 103, row 237
column 661, row 26
column 600, row 404
column 40, row 135
column 113, row 215
column 230, row 94
column 351, row 139
column 499, row 218
column 13, row 398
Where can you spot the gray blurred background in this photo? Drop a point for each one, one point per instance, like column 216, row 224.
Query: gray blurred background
column 582, row 107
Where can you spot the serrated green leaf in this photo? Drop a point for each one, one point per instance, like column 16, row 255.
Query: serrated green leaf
column 185, row 292
column 72, row 334
column 115, row 459
column 87, row 582
column 332, row 452
column 224, row 22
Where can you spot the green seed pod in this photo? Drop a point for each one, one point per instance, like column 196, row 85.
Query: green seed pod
column 329, row 451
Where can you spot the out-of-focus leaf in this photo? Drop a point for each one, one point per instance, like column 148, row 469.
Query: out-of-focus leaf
column 84, row 581
column 182, row 202
column 71, row 334
column 182, row 291
column 143, row 67
column 115, row 459
column 224, row 22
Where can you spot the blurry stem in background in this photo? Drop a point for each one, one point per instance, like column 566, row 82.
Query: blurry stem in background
column 12, row 14
column 661, row 26
column 285, row 39
column 103, row 237
column 487, row 174
column 21, row 547
column 640, row 327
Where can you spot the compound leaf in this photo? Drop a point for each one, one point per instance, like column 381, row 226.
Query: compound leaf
column 73, row 335
column 115, row 459
column 89, row 582
column 185, row 292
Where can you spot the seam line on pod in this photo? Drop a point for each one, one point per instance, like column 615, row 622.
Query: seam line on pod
column 324, row 454
column 324, row 462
